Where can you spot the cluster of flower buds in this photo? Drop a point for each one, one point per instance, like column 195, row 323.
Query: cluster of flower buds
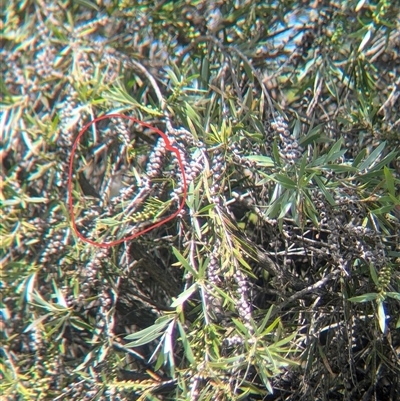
column 243, row 304
column 89, row 272
column 347, row 238
column 288, row 146
column 193, row 163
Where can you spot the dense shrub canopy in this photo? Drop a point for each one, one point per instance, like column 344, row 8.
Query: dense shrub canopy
column 279, row 279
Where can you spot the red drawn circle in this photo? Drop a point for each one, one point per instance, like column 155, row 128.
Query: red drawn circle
column 168, row 146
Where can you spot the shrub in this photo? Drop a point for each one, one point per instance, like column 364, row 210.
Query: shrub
column 279, row 279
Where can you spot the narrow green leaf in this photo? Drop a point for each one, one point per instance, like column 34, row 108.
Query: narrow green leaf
column 385, row 161
column 248, row 99
column 39, row 301
column 205, row 209
column 37, row 322
column 322, row 187
column 261, row 328
column 80, row 324
column 36, row 200
column 224, row 362
column 332, row 88
column 192, row 114
column 60, row 296
column 205, row 70
column 186, row 346
column 365, row 298
column 275, row 207
column 275, row 152
column 374, row 274
column 271, row 327
column 394, row 295
column 359, row 5
column 335, row 148
column 287, row 205
column 382, row 210
column 197, row 227
column 168, row 347
column 366, row 38
column 285, row 181
column 41, row 170
column 184, row 262
column 297, row 128
column 312, row 136
column 335, row 156
column 262, row 161
column 242, row 328
column 265, row 380
column 309, row 209
column 88, row 4
column 157, row 327
column 381, row 316
column 285, row 340
column 191, row 126
column 372, row 157
column 184, row 296
column 389, row 181
column 303, row 165
column 145, row 339
column 29, row 285
column 341, row 168
column 172, row 76
column 359, row 157
column 248, row 71
column 160, row 361
column 108, row 221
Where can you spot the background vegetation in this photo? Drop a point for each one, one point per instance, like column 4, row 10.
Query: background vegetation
column 280, row 278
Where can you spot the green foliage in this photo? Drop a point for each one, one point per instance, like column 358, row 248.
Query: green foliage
column 286, row 117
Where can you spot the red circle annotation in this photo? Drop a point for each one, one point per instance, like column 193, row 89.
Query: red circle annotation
column 168, row 147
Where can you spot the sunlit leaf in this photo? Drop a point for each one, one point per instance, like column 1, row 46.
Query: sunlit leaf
column 365, row 297
column 381, row 316
column 372, row 157
column 184, row 262
column 184, row 296
column 374, row 274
